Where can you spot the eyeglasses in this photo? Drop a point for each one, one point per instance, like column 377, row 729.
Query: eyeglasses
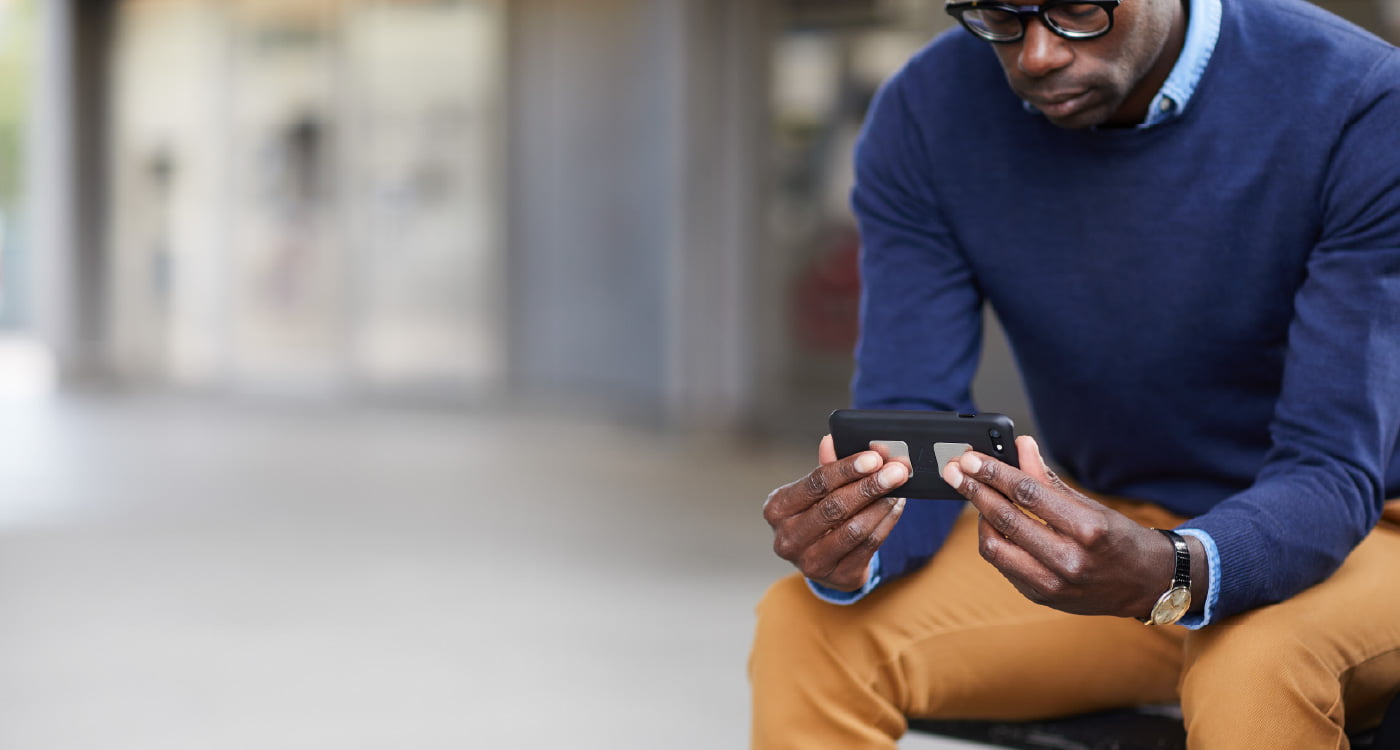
column 1003, row 22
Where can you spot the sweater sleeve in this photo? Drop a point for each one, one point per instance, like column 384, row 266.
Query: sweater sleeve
column 921, row 308
column 1336, row 423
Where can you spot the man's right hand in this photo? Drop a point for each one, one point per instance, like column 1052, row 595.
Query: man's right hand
column 830, row 522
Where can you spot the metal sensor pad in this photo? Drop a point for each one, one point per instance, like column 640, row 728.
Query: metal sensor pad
column 890, row 448
column 893, row 449
column 933, row 457
column 945, row 452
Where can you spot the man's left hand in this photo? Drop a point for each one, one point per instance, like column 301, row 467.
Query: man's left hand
column 1073, row 554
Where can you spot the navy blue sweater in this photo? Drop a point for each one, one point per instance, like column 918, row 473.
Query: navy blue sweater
column 1206, row 313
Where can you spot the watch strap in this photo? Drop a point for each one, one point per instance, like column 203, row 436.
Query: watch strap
column 1173, row 604
column 1181, row 578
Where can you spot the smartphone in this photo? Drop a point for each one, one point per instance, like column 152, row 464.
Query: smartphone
column 928, row 439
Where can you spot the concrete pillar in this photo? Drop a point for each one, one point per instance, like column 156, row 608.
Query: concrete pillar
column 718, row 273
column 66, row 179
column 635, row 140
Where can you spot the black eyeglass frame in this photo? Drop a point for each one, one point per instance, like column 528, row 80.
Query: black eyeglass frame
column 1023, row 14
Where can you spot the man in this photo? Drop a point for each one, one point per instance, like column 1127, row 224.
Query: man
column 1187, row 218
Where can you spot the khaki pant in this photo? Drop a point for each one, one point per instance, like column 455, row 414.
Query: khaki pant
column 956, row 641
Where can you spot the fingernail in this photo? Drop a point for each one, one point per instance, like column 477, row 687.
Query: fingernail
column 891, row 475
column 867, row 463
column 899, row 508
column 972, row 463
column 952, row 474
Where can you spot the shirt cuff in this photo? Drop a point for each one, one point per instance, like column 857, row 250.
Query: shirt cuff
column 1196, row 622
column 834, row 596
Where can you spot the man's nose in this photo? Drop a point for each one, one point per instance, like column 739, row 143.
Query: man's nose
column 1042, row 51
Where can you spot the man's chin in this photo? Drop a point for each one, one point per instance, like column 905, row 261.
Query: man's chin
column 1078, row 120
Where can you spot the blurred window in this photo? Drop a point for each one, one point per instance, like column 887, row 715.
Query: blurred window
column 306, row 193
column 827, row 62
column 17, row 33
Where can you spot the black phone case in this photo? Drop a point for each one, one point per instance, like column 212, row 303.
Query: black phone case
column 853, row 431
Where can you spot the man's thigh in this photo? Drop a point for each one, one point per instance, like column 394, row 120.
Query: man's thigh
column 956, row 640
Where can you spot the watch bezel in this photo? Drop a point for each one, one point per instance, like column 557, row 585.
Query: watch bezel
column 1171, row 607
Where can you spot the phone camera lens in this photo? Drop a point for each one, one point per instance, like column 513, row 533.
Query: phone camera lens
column 995, row 434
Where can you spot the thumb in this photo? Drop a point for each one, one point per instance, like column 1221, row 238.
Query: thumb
column 1028, row 451
column 826, row 452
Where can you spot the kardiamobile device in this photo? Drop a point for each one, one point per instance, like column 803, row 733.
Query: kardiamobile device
column 929, row 439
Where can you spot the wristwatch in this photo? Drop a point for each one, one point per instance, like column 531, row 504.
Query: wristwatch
column 1172, row 606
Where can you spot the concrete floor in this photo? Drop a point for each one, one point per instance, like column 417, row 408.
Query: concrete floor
column 180, row 574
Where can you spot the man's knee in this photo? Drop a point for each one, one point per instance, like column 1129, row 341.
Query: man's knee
column 1266, row 680
column 788, row 618
column 796, row 631
column 810, row 671
column 1250, row 643
column 784, row 596
column 1256, row 659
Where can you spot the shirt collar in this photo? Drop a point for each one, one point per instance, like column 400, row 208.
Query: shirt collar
column 1202, row 33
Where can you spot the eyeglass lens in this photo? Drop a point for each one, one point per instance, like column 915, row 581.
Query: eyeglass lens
column 1077, row 19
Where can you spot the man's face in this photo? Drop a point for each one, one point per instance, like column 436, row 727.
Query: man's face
column 1107, row 80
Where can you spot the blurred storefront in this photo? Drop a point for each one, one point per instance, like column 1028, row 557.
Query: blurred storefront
column 636, row 202
column 304, row 195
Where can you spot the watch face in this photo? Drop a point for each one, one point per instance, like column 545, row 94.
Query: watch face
column 1172, row 606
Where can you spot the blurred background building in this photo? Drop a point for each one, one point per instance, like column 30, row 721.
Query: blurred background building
column 539, row 219
column 638, row 203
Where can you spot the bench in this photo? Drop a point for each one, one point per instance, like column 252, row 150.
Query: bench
column 1147, row 728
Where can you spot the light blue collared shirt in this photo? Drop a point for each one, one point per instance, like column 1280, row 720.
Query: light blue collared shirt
column 1202, row 33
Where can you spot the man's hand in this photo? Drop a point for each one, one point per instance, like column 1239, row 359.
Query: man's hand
column 1074, row 554
column 830, row 522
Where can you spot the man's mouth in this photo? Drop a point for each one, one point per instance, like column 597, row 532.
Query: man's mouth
column 1060, row 105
